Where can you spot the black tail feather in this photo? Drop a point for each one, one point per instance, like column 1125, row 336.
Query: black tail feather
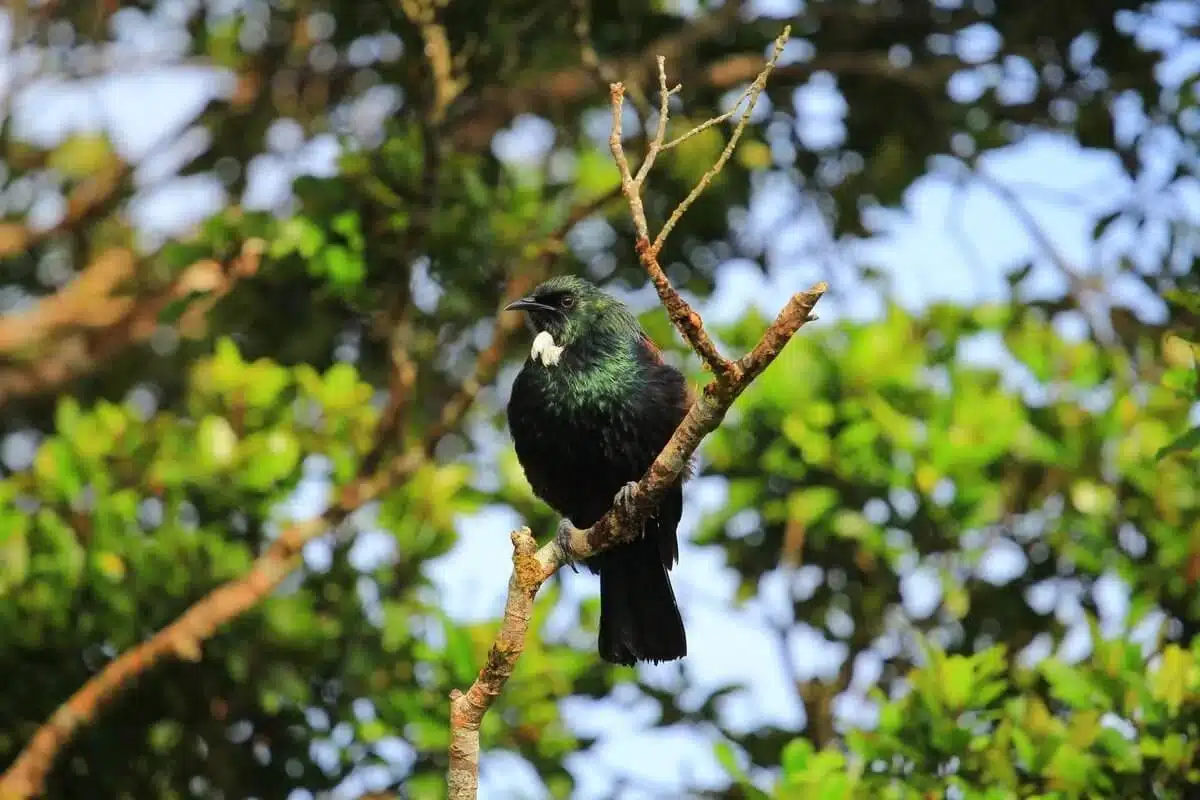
column 639, row 618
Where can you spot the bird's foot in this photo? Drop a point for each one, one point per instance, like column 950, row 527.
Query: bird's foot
column 562, row 538
column 623, row 501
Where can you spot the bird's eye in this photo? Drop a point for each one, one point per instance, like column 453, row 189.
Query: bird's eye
column 567, row 301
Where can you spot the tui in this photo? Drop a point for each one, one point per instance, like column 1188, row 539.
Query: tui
column 590, row 411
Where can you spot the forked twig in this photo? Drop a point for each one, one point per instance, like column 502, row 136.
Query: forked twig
column 533, row 566
column 684, row 317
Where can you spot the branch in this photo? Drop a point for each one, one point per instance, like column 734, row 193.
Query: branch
column 1083, row 292
column 87, row 322
column 89, row 198
column 682, row 314
column 499, row 103
column 446, row 87
column 183, row 638
column 533, row 566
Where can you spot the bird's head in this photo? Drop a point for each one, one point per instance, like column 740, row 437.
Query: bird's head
column 570, row 310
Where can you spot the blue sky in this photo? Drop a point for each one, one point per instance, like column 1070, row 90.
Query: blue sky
column 921, row 247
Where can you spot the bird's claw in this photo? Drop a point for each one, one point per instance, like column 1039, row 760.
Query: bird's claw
column 562, row 538
column 623, row 501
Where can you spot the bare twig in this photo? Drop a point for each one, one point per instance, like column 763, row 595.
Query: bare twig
column 751, row 95
column 533, row 566
column 682, row 314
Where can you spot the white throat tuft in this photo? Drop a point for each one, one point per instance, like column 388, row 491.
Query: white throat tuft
column 545, row 350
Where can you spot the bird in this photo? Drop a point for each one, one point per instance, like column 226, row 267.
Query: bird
column 590, row 410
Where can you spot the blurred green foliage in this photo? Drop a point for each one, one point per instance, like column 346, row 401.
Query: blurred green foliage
column 880, row 450
column 144, row 463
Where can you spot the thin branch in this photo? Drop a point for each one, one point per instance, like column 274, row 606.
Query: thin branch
column 533, row 566
column 183, row 638
column 1086, row 297
column 753, row 93
column 402, row 377
column 660, row 132
column 755, row 87
column 685, row 318
column 396, row 321
column 1075, row 280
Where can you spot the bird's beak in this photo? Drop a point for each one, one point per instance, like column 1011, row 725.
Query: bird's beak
column 527, row 304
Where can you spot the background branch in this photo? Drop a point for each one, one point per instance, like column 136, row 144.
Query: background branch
column 65, row 334
column 90, row 198
column 184, row 637
column 446, row 87
column 500, row 103
column 533, row 566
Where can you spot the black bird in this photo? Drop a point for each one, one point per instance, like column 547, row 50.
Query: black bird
column 590, row 410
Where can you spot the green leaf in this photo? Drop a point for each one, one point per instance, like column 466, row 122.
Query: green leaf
column 1172, row 680
column 14, row 551
column 1070, row 684
column 796, row 756
column 809, row 504
column 1188, row 441
column 81, row 155
column 595, row 172
column 344, row 269
column 217, row 442
column 958, row 681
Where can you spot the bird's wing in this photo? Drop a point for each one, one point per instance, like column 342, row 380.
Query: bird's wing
column 652, row 350
column 654, row 355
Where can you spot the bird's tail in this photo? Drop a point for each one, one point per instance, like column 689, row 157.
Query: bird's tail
column 639, row 619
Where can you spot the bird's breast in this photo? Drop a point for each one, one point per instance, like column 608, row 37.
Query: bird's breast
column 576, row 448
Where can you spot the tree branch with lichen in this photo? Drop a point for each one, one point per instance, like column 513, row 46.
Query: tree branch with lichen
column 533, row 566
